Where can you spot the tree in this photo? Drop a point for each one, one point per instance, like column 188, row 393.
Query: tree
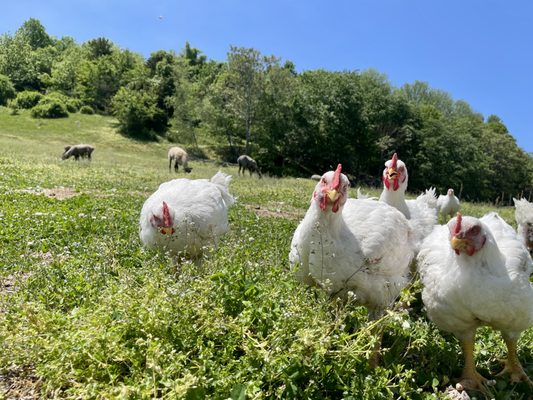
column 98, row 80
column 137, row 113
column 33, row 33
column 161, row 66
column 63, row 75
column 99, row 47
column 275, row 116
column 194, row 79
column 420, row 93
column 244, row 85
column 17, row 62
column 390, row 121
column 510, row 168
column 7, row 90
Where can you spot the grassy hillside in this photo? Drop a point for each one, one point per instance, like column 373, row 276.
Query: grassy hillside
column 85, row 312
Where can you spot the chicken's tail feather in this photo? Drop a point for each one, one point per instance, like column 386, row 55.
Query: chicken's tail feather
column 223, row 180
column 429, row 198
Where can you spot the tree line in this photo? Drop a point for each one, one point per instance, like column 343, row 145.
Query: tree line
column 291, row 123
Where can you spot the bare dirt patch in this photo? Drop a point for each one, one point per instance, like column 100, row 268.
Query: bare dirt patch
column 19, row 383
column 274, row 213
column 9, row 283
column 60, row 193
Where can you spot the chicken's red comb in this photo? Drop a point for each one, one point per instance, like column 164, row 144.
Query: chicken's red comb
column 394, row 161
column 337, row 177
column 166, row 215
column 458, row 225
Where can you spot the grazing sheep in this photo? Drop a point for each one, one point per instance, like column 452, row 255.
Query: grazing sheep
column 316, row 177
column 248, row 163
column 77, row 151
column 180, row 157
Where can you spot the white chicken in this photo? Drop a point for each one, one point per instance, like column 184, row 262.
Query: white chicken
column 448, row 204
column 357, row 245
column 421, row 212
column 186, row 216
column 476, row 272
column 524, row 218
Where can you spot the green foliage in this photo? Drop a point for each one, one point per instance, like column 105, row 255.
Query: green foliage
column 50, row 106
column 63, row 74
column 18, row 63
column 7, row 90
column 97, row 82
column 137, row 113
column 99, row 47
column 86, row 110
column 291, row 123
column 243, row 86
column 34, row 33
column 87, row 313
column 28, row 99
column 72, row 104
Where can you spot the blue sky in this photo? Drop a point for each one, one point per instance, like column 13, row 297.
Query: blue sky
column 480, row 51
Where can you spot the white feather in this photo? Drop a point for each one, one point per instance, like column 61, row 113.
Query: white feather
column 199, row 211
column 448, row 204
column 421, row 212
column 524, row 219
column 362, row 248
column 491, row 287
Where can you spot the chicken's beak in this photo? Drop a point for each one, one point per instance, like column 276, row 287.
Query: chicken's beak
column 392, row 173
column 332, row 195
column 460, row 244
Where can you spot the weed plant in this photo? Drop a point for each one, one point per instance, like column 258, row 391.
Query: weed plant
column 85, row 312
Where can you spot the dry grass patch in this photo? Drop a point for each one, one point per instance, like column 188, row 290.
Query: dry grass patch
column 59, row 193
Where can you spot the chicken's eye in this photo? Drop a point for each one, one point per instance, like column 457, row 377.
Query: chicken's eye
column 474, row 231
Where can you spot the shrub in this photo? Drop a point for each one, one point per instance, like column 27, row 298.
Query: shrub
column 73, row 105
column 28, row 99
column 86, row 110
column 70, row 103
column 13, row 108
column 7, row 90
column 138, row 114
column 50, row 107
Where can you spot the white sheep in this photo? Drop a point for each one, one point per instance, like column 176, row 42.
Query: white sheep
column 248, row 163
column 180, row 157
column 77, row 151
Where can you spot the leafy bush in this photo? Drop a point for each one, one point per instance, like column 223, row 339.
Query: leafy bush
column 138, row 114
column 86, row 110
column 7, row 90
column 28, row 99
column 72, row 104
column 13, row 108
column 50, row 107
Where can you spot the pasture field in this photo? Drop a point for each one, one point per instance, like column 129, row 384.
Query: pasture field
column 86, row 313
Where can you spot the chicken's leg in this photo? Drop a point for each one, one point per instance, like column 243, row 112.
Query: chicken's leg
column 512, row 364
column 375, row 356
column 470, row 378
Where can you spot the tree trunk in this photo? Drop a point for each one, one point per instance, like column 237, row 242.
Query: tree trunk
column 248, row 135
column 230, row 141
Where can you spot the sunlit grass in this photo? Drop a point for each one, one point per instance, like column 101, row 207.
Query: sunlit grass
column 85, row 312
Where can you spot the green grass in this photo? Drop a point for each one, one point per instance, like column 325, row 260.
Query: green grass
column 85, row 312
